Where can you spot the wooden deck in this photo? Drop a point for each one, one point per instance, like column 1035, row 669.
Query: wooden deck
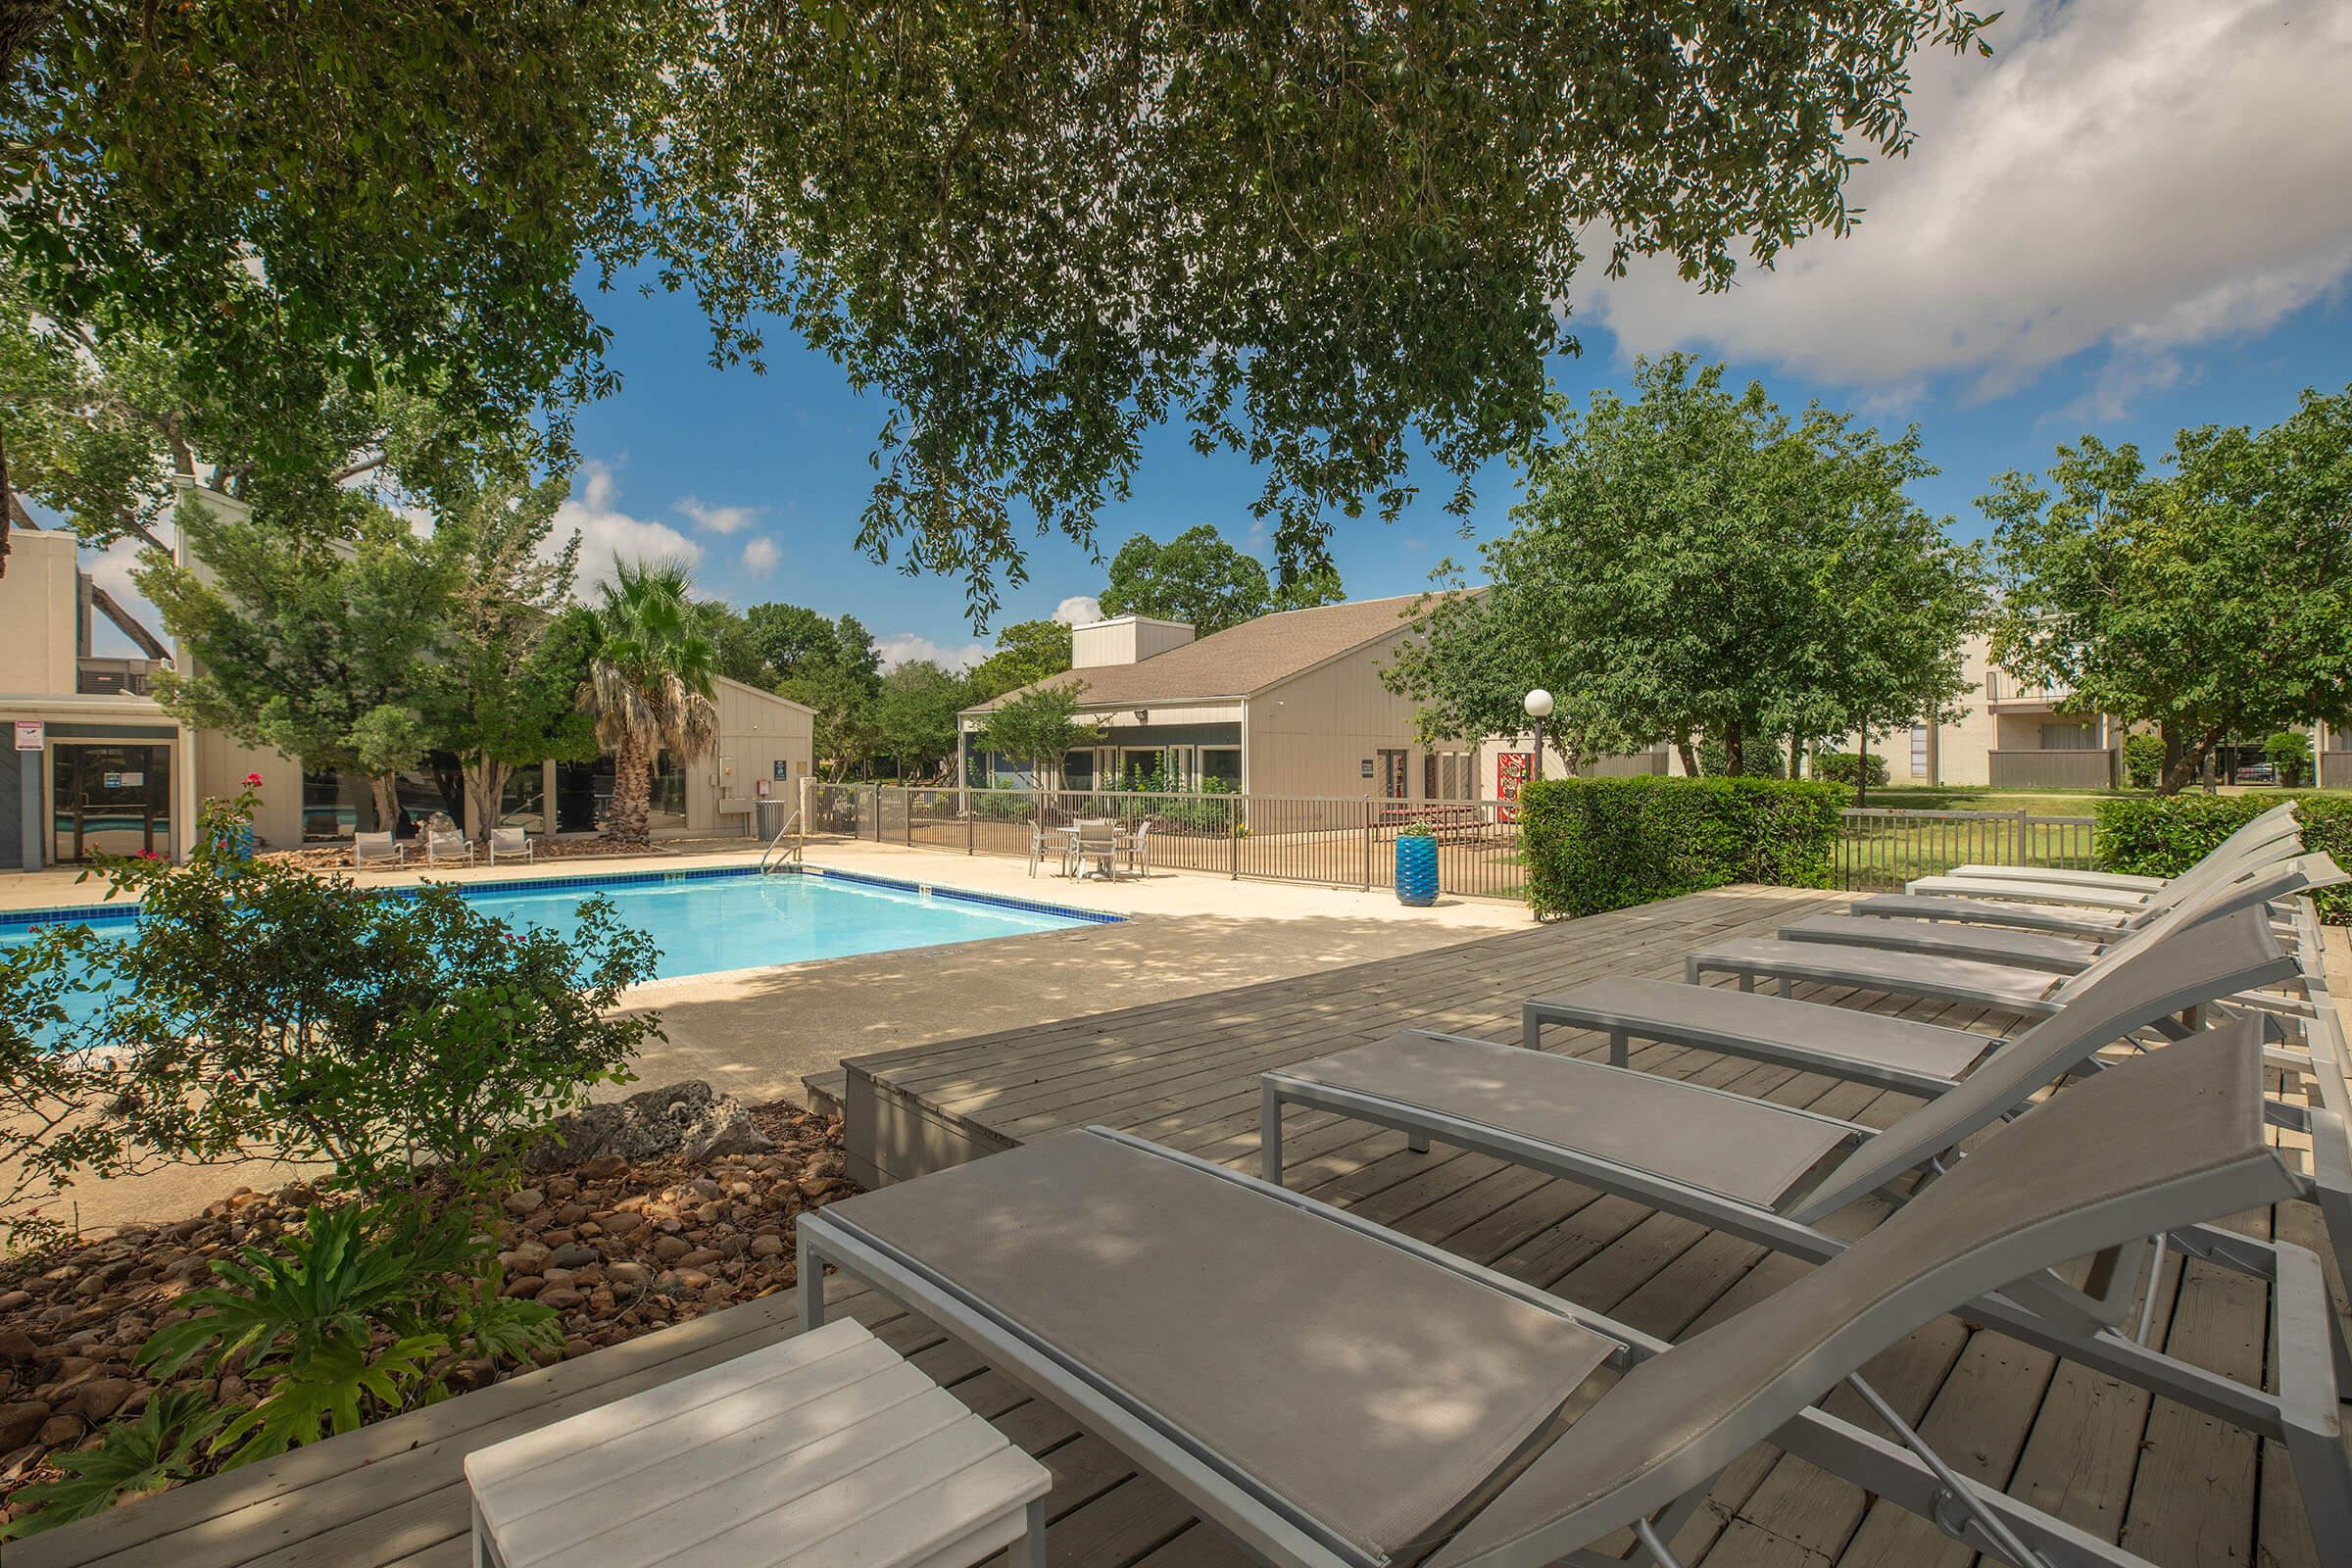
column 2175, row 1486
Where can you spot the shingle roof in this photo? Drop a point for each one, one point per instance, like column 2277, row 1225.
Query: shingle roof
column 1239, row 661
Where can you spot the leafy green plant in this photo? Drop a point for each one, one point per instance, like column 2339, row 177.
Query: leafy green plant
column 349, row 1316
column 2143, row 761
column 1416, row 830
column 1593, row 845
column 1846, row 767
column 157, row 1449
column 379, row 1033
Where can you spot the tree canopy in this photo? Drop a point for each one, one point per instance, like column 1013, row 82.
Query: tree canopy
column 2210, row 595
column 1197, row 578
column 1693, row 561
column 1026, row 652
column 1326, row 237
column 1040, row 727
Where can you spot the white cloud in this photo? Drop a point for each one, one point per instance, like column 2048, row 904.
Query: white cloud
column 760, row 555
column 2132, row 176
column 905, row 647
column 1078, row 609
column 717, row 520
column 607, row 531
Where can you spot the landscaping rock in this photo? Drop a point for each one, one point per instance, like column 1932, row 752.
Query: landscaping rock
column 101, row 1397
column 19, row 1422
column 685, row 1119
column 524, row 1201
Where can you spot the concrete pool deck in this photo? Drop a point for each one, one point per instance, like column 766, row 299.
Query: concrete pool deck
column 755, row 1033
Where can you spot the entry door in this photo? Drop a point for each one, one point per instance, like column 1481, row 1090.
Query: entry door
column 109, row 799
column 1393, row 782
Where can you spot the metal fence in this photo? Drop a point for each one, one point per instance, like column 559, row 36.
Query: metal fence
column 1351, row 842
column 1878, row 851
column 1331, row 841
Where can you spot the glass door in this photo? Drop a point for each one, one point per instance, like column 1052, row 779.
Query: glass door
column 109, row 799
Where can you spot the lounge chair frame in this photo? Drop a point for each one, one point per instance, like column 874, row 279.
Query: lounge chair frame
column 1279, row 1533
column 2043, row 1313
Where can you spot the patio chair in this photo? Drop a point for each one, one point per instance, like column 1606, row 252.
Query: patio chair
column 2029, row 993
column 2026, row 949
column 450, row 843
column 2272, row 836
column 1101, row 843
column 514, row 843
column 376, row 849
column 1338, row 1395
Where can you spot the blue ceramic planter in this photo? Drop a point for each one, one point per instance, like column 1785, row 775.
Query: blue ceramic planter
column 1417, row 872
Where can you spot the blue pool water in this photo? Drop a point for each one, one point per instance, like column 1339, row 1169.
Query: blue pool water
column 703, row 923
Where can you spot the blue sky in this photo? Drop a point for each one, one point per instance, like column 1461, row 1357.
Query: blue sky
column 2134, row 218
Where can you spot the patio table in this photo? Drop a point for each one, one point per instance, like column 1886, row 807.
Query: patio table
column 822, row 1449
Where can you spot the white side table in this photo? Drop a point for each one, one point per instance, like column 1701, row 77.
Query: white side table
column 824, row 1449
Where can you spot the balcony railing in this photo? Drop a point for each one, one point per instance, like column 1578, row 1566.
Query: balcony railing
column 133, row 677
column 2002, row 689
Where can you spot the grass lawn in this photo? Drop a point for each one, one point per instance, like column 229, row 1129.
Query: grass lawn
column 1979, row 797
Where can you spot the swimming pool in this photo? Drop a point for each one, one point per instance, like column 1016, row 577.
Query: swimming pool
column 706, row 922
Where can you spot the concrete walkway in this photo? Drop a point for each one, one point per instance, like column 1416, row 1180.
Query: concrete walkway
column 757, row 1033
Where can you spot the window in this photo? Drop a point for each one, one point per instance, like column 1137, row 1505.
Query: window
column 1221, row 766
column 2069, row 738
column 1449, row 776
column 583, row 795
column 667, row 804
column 524, row 801
column 1918, row 750
column 436, row 784
column 1078, row 769
column 334, row 806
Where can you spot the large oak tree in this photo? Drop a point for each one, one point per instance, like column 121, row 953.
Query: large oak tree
column 1322, row 235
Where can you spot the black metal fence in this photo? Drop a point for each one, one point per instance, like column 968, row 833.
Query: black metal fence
column 1351, row 842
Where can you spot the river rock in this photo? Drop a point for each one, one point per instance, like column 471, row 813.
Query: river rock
column 19, row 1422
column 685, row 1119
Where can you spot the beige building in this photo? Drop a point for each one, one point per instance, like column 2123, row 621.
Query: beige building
column 1285, row 705
column 98, row 765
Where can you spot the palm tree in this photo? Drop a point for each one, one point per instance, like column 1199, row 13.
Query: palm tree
column 649, row 685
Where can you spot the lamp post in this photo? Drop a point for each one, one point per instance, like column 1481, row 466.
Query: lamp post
column 1539, row 709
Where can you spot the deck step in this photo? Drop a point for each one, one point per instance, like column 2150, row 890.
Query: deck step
column 825, row 1092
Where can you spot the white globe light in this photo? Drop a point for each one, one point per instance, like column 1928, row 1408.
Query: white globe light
column 1539, row 703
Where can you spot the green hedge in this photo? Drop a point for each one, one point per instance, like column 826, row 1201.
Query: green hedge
column 1600, row 844
column 1843, row 767
column 2166, row 835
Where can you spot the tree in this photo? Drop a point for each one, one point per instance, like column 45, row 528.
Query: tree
column 2288, row 751
column 1693, row 564
column 649, row 684
column 514, row 650
column 1040, row 726
column 1026, row 652
column 2210, row 598
column 914, row 720
column 287, row 202
column 315, row 644
column 1329, row 238
column 1196, row 578
column 735, row 646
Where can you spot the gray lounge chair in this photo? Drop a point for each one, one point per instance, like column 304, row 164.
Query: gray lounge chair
column 1338, row 1395
column 515, row 843
column 2028, row 992
column 2273, row 825
column 2025, row 949
column 1770, row 1174
column 449, row 844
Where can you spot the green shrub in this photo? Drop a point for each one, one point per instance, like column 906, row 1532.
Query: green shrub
column 1607, row 843
column 376, row 1032
column 1763, row 756
column 2143, row 761
column 2289, row 751
column 1845, row 767
column 2165, row 835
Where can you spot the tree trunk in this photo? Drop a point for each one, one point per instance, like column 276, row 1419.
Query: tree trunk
column 1797, row 754
column 1862, row 774
column 632, row 791
column 2182, row 762
column 384, row 787
column 1682, row 749
column 1734, row 748
column 486, row 791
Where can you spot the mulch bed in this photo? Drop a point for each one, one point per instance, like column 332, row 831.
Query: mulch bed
column 618, row 1250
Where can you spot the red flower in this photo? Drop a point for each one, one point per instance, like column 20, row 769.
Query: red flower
column 252, row 778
